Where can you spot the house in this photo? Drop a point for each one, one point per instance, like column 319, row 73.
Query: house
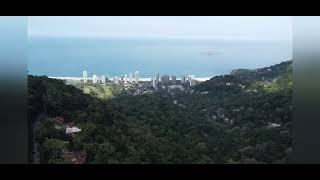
column 205, row 92
column 71, row 130
column 175, row 101
column 273, row 125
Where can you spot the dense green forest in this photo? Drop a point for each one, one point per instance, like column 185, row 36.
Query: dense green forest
column 244, row 117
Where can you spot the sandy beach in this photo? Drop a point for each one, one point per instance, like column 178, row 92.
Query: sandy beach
column 141, row 79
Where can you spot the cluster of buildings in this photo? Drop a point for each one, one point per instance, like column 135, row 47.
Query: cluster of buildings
column 166, row 79
column 135, row 77
column 103, row 79
column 126, row 79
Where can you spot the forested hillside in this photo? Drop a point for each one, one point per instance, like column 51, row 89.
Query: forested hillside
column 244, row 117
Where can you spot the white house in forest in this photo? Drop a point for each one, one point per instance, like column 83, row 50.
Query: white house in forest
column 71, row 130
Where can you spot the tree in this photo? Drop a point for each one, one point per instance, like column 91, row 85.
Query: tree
column 105, row 153
column 53, row 150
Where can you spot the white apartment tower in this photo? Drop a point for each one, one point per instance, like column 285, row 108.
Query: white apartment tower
column 125, row 78
column 136, row 76
column 154, row 83
column 95, row 79
column 130, row 77
column 85, row 76
column 103, row 79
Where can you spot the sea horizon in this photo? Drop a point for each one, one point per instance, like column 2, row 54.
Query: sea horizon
column 69, row 57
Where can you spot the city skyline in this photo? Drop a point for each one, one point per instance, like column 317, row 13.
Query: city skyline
column 154, row 81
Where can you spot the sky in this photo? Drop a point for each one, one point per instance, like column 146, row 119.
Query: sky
column 13, row 44
column 216, row 27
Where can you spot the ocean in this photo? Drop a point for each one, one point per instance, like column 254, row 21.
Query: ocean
column 69, row 57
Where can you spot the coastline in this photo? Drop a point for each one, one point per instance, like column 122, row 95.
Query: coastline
column 141, row 79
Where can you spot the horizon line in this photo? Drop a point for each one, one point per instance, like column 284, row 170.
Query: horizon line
column 185, row 37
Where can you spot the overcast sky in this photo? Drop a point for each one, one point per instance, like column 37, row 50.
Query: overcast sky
column 228, row 27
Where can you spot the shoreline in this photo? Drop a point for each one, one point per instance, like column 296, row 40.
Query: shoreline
column 141, row 79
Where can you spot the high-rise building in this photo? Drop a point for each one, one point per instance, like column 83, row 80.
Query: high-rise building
column 193, row 82
column 136, row 76
column 154, row 83
column 130, row 77
column 183, row 79
column 95, row 79
column 103, row 79
column 157, row 78
column 190, row 77
column 165, row 79
column 174, row 79
column 125, row 78
column 85, row 76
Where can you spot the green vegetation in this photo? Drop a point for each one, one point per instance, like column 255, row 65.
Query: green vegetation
column 228, row 119
column 102, row 92
column 53, row 148
column 281, row 83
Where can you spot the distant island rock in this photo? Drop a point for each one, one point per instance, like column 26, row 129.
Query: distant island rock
column 209, row 52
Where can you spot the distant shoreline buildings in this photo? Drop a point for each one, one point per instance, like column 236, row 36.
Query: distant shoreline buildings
column 85, row 76
column 134, row 78
column 172, row 80
column 104, row 79
column 95, row 79
column 136, row 75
